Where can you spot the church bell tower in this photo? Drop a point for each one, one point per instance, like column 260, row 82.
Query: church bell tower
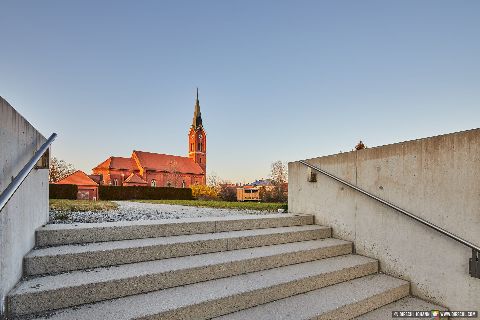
column 197, row 139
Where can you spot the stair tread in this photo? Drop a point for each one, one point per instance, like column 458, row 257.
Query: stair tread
column 61, row 234
column 318, row 302
column 406, row 304
column 133, row 270
column 195, row 294
column 126, row 244
column 159, row 222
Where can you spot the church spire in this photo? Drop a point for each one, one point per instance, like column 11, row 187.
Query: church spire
column 197, row 115
column 197, row 140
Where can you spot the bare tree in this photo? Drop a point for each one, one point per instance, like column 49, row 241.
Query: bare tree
column 228, row 192
column 213, row 180
column 278, row 172
column 279, row 176
column 59, row 169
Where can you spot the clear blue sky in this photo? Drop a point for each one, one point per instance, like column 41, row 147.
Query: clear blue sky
column 279, row 80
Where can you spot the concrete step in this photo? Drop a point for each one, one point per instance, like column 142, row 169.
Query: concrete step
column 341, row 301
column 213, row 298
column 62, row 234
column 92, row 255
column 405, row 304
column 80, row 287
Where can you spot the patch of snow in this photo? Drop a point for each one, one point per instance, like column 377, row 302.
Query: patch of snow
column 131, row 211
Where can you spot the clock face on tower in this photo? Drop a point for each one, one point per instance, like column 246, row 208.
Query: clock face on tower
column 199, row 136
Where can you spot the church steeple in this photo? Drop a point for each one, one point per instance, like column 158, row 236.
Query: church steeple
column 197, row 115
column 197, row 139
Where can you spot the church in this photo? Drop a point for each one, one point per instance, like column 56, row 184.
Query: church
column 158, row 169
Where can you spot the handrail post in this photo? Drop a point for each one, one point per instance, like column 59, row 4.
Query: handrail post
column 474, row 265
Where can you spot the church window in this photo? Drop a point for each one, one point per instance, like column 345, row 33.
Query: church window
column 115, row 182
column 200, row 159
column 154, row 183
column 183, row 183
column 169, row 184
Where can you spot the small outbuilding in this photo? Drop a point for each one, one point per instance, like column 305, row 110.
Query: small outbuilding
column 87, row 188
column 248, row 193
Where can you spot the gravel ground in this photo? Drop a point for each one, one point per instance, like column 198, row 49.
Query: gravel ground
column 130, row 211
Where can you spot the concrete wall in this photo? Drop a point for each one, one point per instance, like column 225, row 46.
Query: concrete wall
column 28, row 208
column 435, row 178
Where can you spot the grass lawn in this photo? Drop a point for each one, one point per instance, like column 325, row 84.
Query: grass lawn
column 81, row 205
column 223, row 204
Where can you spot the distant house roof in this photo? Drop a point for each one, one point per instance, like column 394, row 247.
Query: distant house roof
column 167, row 163
column 266, row 182
column 135, row 178
column 79, row 178
column 117, row 163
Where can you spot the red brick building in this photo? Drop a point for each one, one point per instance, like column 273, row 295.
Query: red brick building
column 87, row 188
column 160, row 170
column 135, row 180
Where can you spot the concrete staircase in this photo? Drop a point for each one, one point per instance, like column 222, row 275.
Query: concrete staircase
column 250, row 267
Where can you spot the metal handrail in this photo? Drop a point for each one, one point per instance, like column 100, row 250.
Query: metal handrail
column 22, row 175
column 474, row 261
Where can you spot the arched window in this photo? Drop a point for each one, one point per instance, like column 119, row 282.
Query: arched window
column 115, row 182
column 154, row 183
column 169, row 184
column 183, row 183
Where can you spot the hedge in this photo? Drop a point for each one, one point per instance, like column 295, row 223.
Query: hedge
column 143, row 193
column 63, row 191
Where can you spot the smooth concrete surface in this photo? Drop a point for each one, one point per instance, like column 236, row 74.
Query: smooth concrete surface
column 28, row 208
column 61, row 234
column 221, row 296
column 337, row 302
column 436, row 178
column 405, row 304
column 92, row 255
column 75, row 288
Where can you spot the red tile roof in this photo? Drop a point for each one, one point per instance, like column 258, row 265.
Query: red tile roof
column 79, row 178
column 95, row 177
column 167, row 163
column 135, row 178
column 117, row 163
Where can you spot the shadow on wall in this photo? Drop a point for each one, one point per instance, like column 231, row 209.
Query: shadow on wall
column 28, row 208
